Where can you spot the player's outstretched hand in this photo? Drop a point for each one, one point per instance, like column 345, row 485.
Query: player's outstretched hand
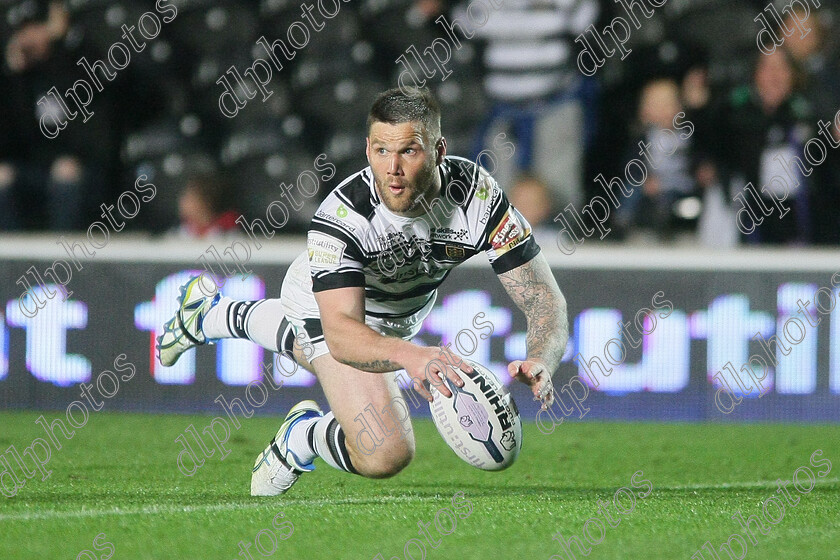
column 431, row 364
column 537, row 377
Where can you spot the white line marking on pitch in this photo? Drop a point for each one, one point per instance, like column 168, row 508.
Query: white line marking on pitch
column 736, row 485
column 54, row 514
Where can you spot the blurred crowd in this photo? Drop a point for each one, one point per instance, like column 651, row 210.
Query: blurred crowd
column 514, row 72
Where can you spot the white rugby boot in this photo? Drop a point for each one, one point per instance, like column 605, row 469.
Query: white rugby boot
column 276, row 469
column 183, row 330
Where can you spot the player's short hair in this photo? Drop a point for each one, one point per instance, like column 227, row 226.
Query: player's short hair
column 396, row 106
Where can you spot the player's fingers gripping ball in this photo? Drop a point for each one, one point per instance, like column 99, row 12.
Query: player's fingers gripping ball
column 480, row 422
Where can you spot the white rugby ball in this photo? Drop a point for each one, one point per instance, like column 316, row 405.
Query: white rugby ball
column 480, row 422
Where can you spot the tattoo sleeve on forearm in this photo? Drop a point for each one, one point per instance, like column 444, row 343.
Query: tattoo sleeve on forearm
column 534, row 290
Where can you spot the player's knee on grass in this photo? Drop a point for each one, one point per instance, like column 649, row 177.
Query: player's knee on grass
column 387, row 460
column 381, row 448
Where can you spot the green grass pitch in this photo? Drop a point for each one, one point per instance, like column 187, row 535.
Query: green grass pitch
column 118, row 476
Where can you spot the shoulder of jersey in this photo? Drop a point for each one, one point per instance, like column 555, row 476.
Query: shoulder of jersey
column 467, row 183
column 461, row 171
column 350, row 206
column 482, row 199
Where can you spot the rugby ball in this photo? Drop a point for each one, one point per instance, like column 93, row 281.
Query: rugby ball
column 480, row 422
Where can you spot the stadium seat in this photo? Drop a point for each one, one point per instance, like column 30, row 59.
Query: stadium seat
column 339, row 33
column 399, row 25
column 337, row 91
column 346, row 150
column 212, row 27
column 167, row 151
column 260, row 140
column 169, row 174
column 98, row 22
column 259, row 174
column 462, row 102
column 259, row 157
column 725, row 30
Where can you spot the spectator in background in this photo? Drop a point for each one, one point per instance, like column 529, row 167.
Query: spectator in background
column 8, row 209
column 60, row 182
column 768, row 123
column 669, row 177
column 39, row 26
column 699, row 104
column 204, row 207
column 716, row 226
column 32, row 44
column 51, row 183
column 818, row 55
column 537, row 90
column 532, row 197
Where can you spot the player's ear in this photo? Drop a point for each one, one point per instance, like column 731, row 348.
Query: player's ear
column 441, row 150
column 367, row 148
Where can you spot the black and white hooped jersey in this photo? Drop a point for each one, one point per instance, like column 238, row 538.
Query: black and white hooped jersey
column 354, row 240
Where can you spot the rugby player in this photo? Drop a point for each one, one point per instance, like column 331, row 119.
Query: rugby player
column 378, row 247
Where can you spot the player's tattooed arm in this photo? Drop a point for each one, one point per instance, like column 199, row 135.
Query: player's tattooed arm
column 353, row 343
column 535, row 292
column 350, row 340
column 374, row 366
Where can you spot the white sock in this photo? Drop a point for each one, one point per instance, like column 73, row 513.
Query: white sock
column 321, row 437
column 299, row 440
column 214, row 324
column 257, row 321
